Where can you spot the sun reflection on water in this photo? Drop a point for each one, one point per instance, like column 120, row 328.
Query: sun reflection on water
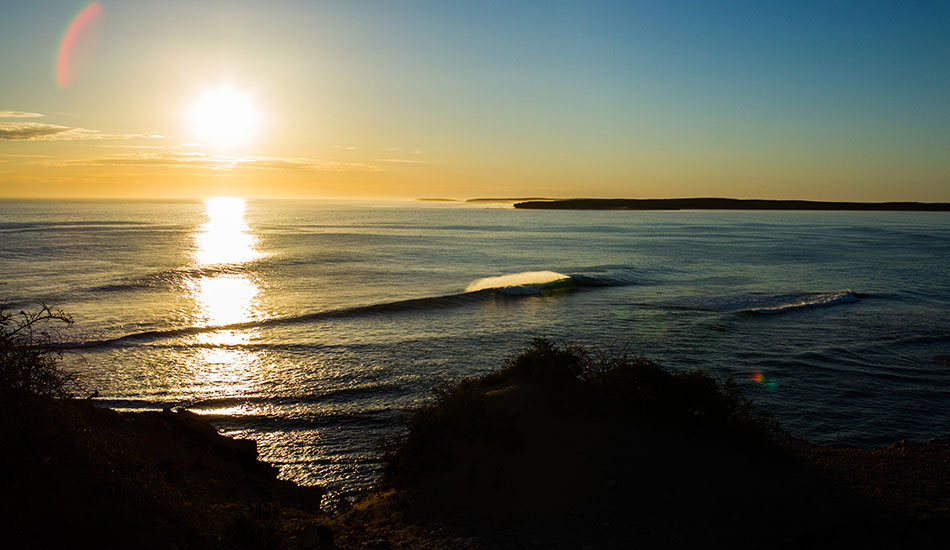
column 223, row 363
column 225, row 299
column 226, row 237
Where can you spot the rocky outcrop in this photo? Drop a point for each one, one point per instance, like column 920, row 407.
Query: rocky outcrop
column 79, row 476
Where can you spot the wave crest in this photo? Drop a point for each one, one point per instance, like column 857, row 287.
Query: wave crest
column 526, row 282
column 781, row 304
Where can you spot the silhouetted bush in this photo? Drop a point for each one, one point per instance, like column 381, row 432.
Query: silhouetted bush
column 589, row 381
column 545, row 362
column 625, row 380
column 29, row 363
column 425, row 443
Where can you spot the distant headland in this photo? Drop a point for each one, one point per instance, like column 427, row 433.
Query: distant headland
column 508, row 199
column 485, row 200
column 728, row 204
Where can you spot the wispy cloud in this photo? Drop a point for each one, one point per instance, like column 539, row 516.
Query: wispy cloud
column 31, row 131
column 400, row 161
column 398, row 150
column 127, row 146
column 187, row 159
column 37, row 131
column 18, row 114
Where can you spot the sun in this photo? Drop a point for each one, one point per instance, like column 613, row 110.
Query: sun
column 224, row 118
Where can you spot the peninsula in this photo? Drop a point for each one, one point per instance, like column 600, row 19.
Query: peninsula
column 728, row 204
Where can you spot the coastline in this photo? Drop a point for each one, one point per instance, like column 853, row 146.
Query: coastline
column 727, row 204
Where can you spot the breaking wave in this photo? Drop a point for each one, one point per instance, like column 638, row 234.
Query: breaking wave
column 526, row 282
column 790, row 302
column 530, row 283
column 761, row 304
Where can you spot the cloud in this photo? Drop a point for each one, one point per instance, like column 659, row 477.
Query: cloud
column 31, row 131
column 185, row 159
column 84, row 134
column 398, row 150
column 400, row 161
column 37, row 131
column 334, row 166
column 270, row 163
column 149, row 147
column 142, row 159
column 17, row 114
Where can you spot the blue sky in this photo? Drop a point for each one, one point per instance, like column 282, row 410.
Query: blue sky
column 819, row 100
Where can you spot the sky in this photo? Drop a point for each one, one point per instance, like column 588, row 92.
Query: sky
column 773, row 100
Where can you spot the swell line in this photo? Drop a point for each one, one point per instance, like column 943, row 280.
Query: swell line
column 508, row 287
column 415, row 304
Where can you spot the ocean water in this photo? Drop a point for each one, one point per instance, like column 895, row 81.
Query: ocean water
column 313, row 326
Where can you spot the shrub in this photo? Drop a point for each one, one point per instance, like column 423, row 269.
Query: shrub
column 624, row 380
column 591, row 380
column 543, row 361
column 426, row 442
column 29, row 362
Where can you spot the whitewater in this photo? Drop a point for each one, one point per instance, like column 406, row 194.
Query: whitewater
column 312, row 326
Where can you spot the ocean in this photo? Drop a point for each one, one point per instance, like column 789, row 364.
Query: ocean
column 313, row 326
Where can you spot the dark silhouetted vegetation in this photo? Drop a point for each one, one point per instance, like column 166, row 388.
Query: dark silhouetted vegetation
column 427, row 440
column 627, row 380
column 569, row 447
column 29, row 362
column 79, row 476
column 581, row 379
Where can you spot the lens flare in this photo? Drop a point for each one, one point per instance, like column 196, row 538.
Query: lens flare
column 769, row 382
column 75, row 46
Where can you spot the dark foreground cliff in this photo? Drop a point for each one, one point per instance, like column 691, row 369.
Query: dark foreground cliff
column 560, row 448
column 79, row 476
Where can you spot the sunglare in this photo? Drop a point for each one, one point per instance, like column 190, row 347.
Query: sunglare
column 224, row 118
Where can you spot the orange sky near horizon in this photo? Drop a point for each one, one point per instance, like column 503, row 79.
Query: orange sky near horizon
column 291, row 99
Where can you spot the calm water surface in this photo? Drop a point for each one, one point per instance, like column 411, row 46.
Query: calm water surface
column 312, row 326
